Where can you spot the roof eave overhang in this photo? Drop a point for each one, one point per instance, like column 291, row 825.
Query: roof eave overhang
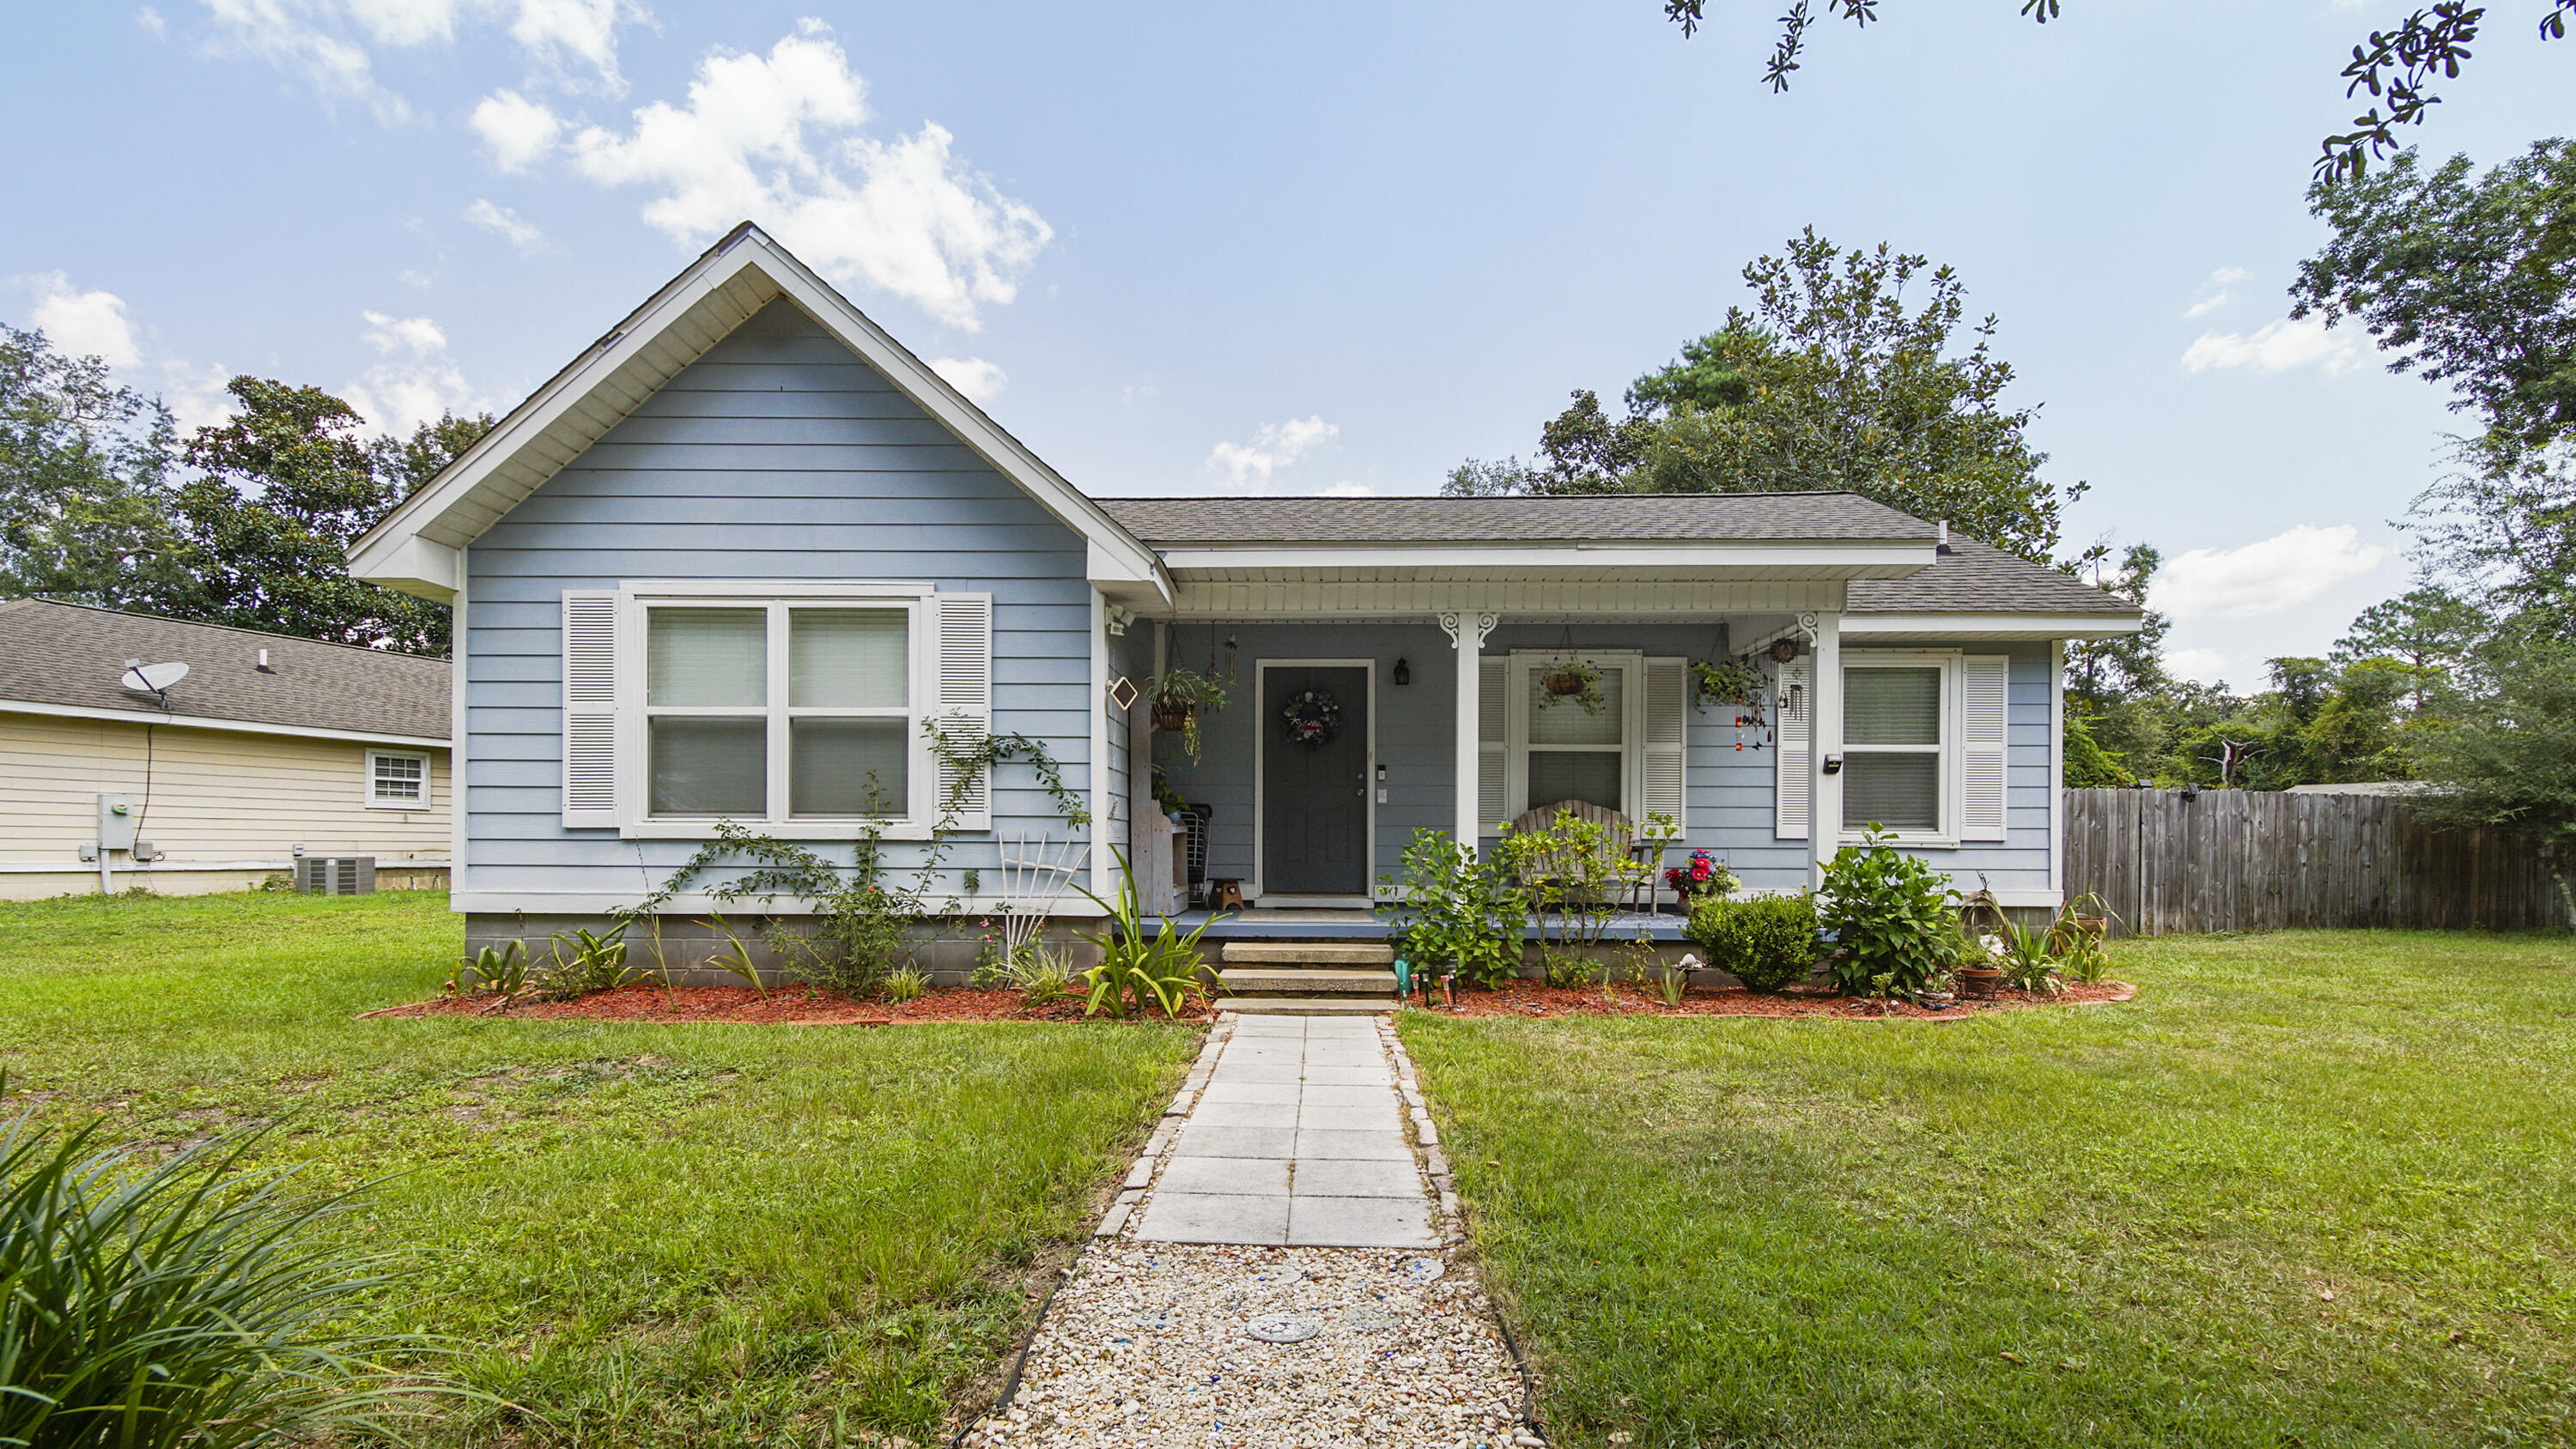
column 418, row 548
column 1678, row 560
column 211, row 722
column 1919, row 628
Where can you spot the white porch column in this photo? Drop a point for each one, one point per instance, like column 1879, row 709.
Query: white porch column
column 1468, row 631
column 1825, row 823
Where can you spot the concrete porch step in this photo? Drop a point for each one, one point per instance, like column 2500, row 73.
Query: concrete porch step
column 1309, row 980
column 1308, row 953
column 1307, row 1005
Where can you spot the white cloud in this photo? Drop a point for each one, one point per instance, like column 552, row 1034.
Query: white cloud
column 524, row 235
column 283, row 33
column 2274, row 573
column 2218, row 291
column 980, row 380
column 2274, row 347
column 1274, row 446
column 774, row 138
column 518, row 131
column 152, row 23
column 1347, row 489
column 416, row 382
column 326, row 43
column 2204, row 665
column 83, row 324
column 195, row 395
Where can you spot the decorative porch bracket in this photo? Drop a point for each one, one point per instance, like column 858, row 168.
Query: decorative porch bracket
column 1468, row 631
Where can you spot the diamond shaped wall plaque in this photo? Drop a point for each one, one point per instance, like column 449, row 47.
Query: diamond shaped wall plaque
column 1123, row 693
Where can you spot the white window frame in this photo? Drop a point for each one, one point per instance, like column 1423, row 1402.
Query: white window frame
column 377, row 802
column 1950, row 774
column 634, row 743
column 1517, row 684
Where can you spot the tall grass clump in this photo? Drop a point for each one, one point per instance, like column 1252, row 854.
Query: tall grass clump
column 181, row 1301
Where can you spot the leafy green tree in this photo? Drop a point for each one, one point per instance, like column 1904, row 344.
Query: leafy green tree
column 2507, row 756
column 285, row 486
column 1834, row 379
column 2396, row 66
column 85, row 474
column 2428, row 629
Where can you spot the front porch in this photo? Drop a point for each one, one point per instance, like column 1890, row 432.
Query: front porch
column 1308, row 924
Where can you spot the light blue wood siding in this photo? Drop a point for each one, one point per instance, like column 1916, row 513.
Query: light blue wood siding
column 778, row 456
column 1728, row 791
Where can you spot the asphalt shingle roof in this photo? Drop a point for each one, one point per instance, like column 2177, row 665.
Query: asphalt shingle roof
column 1977, row 578
column 67, row 654
column 1584, row 518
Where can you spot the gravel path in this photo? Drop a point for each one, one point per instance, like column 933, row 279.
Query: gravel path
column 1164, row 1342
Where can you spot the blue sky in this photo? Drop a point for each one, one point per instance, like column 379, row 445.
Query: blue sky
column 1195, row 248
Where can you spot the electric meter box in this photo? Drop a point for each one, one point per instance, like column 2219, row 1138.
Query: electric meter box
column 116, row 822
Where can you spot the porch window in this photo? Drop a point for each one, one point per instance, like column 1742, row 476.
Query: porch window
column 1893, row 747
column 1572, row 754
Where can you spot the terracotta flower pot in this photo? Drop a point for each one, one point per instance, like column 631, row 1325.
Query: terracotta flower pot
column 1977, row 983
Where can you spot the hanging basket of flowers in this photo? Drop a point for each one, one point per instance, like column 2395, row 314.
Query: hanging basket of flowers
column 1311, row 718
column 1574, row 680
column 1726, row 681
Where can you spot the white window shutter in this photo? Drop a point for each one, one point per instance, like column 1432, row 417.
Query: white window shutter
column 1984, row 700
column 1493, row 696
column 1794, row 714
column 964, row 709
column 590, row 709
column 1667, row 737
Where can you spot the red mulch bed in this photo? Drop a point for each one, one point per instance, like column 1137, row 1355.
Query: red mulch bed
column 785, row 1006
column 1530, row 998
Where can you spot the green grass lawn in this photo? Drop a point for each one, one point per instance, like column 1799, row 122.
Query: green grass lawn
column 2311, row 1189
column 643, row 1235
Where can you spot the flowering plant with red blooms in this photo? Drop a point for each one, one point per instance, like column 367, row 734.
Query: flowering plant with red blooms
column 1703, row 873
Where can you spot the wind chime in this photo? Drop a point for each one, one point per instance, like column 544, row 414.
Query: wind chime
column 1738, row 685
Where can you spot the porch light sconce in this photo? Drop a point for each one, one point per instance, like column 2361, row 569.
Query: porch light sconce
column 1403, row 671
column 1833, row 764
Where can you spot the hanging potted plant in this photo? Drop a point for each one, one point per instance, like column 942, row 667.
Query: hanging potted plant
column 1725, row 681
column 1578, row 680
column 1181, row 696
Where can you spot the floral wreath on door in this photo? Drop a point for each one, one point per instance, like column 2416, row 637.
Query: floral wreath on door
column 1311, row 718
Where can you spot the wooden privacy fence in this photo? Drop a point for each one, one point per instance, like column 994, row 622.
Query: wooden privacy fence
column 2245, row 860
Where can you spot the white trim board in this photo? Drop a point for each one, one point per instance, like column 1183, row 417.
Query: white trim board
column 200, row 722
column 576, row 903
column 168, row 866
column 2016, row 627
column 1749, row 558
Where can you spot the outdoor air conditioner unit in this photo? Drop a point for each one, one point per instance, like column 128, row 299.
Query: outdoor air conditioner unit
column 336, row 875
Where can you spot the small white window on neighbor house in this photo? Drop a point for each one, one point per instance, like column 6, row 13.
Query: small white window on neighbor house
column 779, row 711
column 397, row 781
column 1896, row 770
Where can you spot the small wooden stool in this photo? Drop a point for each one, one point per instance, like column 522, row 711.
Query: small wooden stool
column 1225, row 892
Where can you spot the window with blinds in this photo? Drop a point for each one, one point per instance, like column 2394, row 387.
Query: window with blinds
column 778, row 711
column 1892, row 747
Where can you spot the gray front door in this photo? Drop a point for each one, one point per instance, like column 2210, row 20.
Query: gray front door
column 1314, row 797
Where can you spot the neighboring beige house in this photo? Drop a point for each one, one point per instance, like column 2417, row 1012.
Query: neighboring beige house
column 271, row 747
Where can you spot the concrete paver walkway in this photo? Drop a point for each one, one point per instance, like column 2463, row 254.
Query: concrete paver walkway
column 1297, row 1140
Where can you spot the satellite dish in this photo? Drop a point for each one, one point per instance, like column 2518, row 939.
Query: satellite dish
column 153, row 678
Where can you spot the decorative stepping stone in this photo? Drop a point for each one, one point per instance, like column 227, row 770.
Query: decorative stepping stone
column 1283, row 1328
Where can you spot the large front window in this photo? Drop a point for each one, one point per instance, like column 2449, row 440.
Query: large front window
column 1894, row 767
column 778, row 711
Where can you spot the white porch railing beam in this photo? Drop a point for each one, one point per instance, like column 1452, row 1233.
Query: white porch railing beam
column 1468, row 632
column 1825, row 797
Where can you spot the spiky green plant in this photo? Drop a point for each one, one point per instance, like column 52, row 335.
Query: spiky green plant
column 182, row 1302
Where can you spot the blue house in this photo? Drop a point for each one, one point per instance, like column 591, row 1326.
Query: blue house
column 747, row 557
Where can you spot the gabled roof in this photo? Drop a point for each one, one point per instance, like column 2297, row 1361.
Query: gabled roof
column 1584, row 518
column 416, row 548
column 67, row 659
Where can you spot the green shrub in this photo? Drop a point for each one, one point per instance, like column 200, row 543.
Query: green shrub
column 1458, row 912
column 1766, row 943
column 1886, row 913
column 1138, row 970
column 180, row 1303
